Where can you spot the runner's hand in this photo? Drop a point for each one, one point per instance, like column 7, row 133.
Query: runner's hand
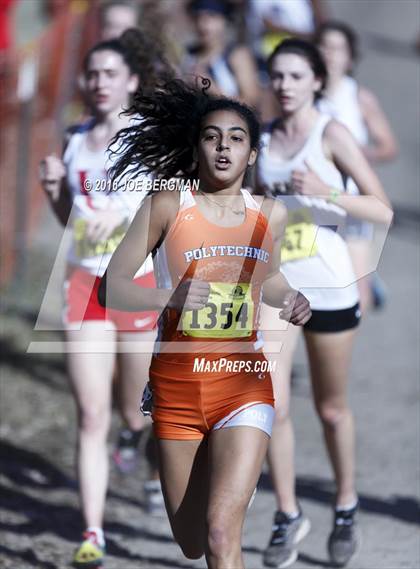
column 296, row 309
column 102, row 225
column 51, row 172
column 190, row 294
column 308, row 183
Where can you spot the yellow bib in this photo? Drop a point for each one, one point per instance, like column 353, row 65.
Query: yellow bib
column 87, row 248
column 229, row 313
column 300, row 236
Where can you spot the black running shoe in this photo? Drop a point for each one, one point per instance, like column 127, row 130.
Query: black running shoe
column 344, row 539
column 126, row 455
column 287, row 533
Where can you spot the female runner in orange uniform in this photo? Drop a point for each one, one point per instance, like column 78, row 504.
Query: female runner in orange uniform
column 216, row 254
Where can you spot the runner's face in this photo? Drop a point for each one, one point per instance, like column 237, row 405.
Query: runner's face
column 108, row 82
column 224, row 149
column 293, row 82
column 336, row 53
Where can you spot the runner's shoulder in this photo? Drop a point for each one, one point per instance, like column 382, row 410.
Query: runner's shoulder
column 336, row 131
column 275, row 212
column 165, row 204
column 79, row 128
column 273, row 209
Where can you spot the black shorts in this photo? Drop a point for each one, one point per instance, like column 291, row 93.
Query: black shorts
column 334, row 320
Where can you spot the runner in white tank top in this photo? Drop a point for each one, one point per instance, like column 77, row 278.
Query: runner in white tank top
column 298, row 163
column 357, row 108
column 325, row 274
column 343, row 105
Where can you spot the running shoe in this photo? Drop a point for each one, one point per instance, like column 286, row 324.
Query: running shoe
column 287, row 533
column 155, row 504
column 126, row 455
column 378, row 292
column 90, row 553
column 344, row 539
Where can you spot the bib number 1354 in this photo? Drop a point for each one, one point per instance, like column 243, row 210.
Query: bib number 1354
column 228, row 313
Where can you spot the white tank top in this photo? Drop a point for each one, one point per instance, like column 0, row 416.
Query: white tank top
column 219, row 70
column 343, row 105
column 315, row 256
column 296, row 15
column 89, row 186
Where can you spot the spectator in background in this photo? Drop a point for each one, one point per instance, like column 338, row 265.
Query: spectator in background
column 54, row 8
column 116, row 16
column 6, row 7
column 230, row 67
column 269, row 21
column 360, row 111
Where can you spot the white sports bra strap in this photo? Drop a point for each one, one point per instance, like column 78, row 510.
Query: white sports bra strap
column 250, row 202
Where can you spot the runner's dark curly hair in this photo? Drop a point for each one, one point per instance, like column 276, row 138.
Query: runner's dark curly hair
column 163, row 137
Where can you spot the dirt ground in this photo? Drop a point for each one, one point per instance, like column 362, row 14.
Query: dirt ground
column 40, row 522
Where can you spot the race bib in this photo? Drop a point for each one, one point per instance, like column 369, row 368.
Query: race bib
column 300, row 236
column 87, row 248
column 229, row 313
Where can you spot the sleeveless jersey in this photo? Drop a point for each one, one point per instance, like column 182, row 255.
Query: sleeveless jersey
column 234, row 261
column 315, row 257
column 91, row 191
column 219, row 70
column 343, row 106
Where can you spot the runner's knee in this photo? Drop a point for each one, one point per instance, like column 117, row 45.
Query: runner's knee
column 220, row 536
column 332, row 415
column 94, row 420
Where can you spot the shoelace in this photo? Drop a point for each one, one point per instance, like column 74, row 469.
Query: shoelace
column 280, row 529
column 344, row 517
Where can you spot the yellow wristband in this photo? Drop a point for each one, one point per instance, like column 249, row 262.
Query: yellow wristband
column 334, row 194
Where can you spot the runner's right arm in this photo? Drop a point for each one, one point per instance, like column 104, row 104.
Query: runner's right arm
column 52, row 174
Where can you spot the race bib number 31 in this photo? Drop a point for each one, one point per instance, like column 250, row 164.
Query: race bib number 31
column 229, row 313
column 87, row 248
column 300, row 236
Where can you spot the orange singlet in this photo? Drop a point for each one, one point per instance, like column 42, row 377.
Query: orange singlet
column 207, row 363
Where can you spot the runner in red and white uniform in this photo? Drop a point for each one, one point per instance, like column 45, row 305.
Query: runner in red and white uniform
column 80, row 193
